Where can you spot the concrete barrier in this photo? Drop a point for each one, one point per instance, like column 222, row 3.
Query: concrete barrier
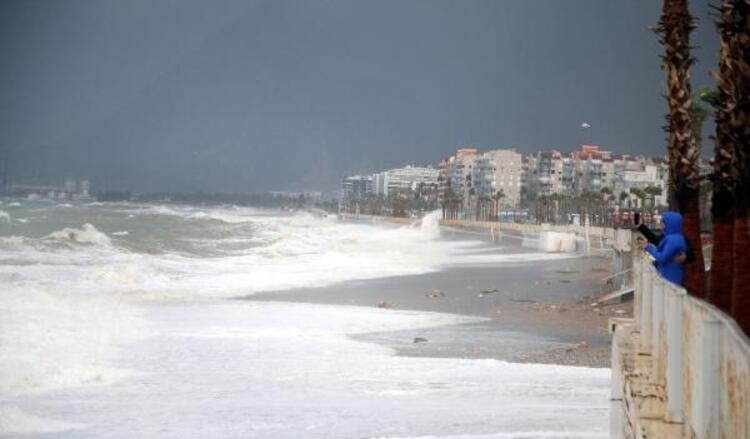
column 557, row 242
column 682, row 366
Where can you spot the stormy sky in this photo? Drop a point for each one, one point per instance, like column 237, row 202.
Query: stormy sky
column 247, row 96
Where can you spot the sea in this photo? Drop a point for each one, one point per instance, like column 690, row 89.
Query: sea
column 120, row 320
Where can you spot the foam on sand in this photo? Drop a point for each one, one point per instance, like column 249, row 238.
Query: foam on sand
column 52, row 341
column 15, row 421
column 286, row 370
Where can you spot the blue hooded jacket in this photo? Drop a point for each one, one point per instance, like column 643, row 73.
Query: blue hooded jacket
column 672, row 244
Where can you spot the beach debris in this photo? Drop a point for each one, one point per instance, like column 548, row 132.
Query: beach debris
column 565, row 271
column 582, row 344
column 523, row 300
column 435, row 294
column 384, row 304
column 420, row 340
column 488, row 292
column 620, row 311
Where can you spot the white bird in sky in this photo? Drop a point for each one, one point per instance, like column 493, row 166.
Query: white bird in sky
column 585, row 125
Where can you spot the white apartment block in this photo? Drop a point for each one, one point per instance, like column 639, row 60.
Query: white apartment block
column 404, row 179
column 356, row 187
column 649, row 174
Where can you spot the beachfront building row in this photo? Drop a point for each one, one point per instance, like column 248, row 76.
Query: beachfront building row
column 517, row 180
column 594, row 170
column 71, row 190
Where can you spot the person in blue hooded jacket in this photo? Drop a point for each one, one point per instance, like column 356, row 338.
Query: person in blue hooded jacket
column 672, row 244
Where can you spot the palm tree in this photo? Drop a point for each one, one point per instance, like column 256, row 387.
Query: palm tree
column 623, row 196
column 730, row 267
column 684, row 178
column 652, row 192
column 724, row 178
column 639, row 194
column 496, row 197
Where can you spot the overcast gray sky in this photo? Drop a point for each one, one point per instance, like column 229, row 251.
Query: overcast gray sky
column 244, row 96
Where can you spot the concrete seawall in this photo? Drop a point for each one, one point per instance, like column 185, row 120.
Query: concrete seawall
column 546, row 237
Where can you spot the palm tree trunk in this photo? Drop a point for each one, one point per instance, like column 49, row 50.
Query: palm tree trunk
column 733, row 122
column 675, row 27
column 740, row 308
column 722, row 257
column 723, row 208
column 695, row 272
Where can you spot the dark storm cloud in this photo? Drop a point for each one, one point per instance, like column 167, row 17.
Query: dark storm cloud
column 246, row 96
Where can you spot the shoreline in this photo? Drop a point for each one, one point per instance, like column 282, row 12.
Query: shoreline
column 535, row 311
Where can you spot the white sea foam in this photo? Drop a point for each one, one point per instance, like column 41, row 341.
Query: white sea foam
column 4, row 216
column 50, row 340
column 285, row 371
column 430, row 224
column 15, row 421
column 70, row 298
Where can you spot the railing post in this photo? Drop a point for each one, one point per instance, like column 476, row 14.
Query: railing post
column 638, row 285
column 646, row 316
column 674, row 356
column 709, row 398
column 657, row 325
column 616, row 414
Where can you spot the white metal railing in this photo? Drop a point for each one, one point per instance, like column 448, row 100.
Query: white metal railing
column 698, row 353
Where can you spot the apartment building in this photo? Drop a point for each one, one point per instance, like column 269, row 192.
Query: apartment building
column 356, row 187
column 499, row 170
column 404, row 180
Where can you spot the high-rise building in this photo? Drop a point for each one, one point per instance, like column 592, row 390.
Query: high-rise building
column 404, row 180
column 460, row 169
column 499, row 170
column 356, row 187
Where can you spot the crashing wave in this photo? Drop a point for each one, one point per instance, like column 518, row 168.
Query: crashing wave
column 88, row 234
column 430, row 227
column 4, row 216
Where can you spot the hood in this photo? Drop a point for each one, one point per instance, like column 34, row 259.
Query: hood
column 672, row 222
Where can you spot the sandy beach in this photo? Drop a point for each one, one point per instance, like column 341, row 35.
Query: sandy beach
column 536, row 311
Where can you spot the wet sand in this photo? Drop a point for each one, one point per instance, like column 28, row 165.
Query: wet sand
column 536, row 311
